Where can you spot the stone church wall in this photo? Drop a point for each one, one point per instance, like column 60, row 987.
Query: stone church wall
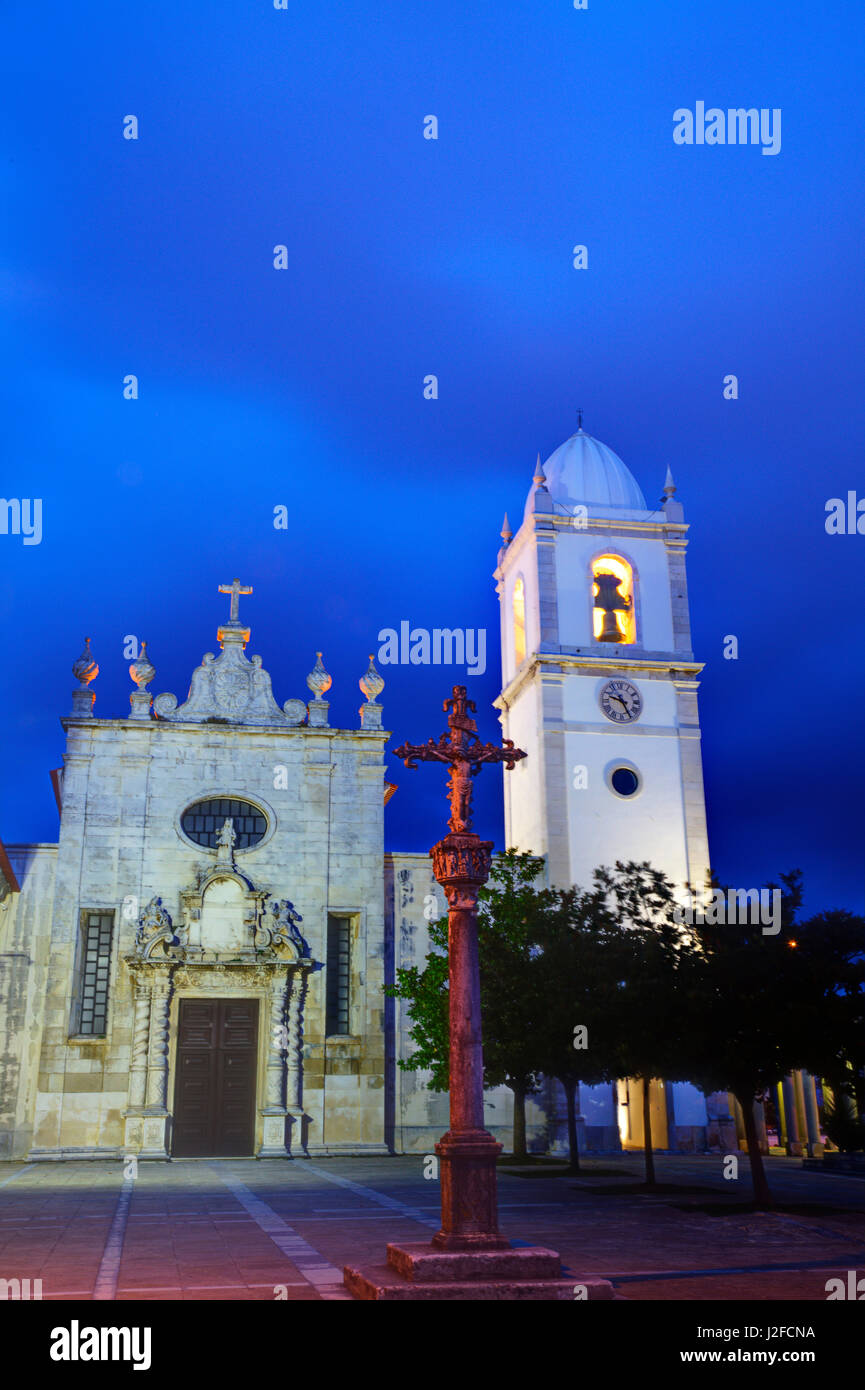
column 125, row 787
column 25, row 922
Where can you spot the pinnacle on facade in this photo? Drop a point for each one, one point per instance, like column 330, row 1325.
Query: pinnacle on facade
column 540, row 480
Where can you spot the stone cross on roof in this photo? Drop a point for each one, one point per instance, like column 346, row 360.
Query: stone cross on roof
column 235, row 589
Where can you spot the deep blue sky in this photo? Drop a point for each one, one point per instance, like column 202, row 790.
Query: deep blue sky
column 409, row 256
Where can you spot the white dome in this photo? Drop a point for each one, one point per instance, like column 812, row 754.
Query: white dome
column 585, row 470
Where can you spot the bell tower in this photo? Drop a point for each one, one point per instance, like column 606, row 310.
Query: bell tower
column 599, row 682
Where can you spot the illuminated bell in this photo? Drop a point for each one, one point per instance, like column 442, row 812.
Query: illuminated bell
column 610, row 630
column 611, row 601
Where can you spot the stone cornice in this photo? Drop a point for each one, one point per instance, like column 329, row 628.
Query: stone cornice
column 547, row 526
column 649, row 666
column 202, row 729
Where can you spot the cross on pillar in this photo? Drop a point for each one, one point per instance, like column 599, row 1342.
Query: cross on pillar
column 461, row 864
column 235, row 589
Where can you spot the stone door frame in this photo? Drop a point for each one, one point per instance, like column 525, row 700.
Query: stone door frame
column 159, row 984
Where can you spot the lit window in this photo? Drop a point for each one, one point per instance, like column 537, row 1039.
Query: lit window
column 613, row 617
column 519, row 603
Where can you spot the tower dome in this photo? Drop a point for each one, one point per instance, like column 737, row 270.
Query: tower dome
column 583, row 470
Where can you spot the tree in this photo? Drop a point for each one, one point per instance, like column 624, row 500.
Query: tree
column 510, row 914
column 426, row 992
column 831, row 949
column 757, row 1009
column 581, row 966
column 512, row 911
column 653, row 1003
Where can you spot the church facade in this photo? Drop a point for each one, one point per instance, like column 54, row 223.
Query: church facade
column 196, row 967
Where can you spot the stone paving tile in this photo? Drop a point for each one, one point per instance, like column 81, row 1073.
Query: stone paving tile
column 189, row 1236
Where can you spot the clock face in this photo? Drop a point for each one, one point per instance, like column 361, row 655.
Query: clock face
column 621, row 701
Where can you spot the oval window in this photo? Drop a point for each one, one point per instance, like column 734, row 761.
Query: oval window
column 624, row 781
column 203, row 822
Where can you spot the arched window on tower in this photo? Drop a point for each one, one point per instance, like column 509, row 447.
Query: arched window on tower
column 519, row 611
column 613, row 618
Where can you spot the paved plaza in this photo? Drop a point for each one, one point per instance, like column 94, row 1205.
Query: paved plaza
column 242, row 1229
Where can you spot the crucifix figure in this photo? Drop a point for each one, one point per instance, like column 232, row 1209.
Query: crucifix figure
column 235, row 589
column 461, row 864
column 461, row 748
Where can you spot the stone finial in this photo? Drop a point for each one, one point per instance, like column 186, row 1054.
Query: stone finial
column 318, row 680
column 672, row 508
column 142, row 671
column 540, row 480
column 371, row 683
column 85, row 670
column 506, row 533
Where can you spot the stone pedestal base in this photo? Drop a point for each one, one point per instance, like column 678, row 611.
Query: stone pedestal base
column 132, row 1133
column 154, row 1136
column 273, row 1135
column 467, row 1168
column 424, row 1273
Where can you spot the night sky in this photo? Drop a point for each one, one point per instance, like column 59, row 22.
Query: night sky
column 408, row 256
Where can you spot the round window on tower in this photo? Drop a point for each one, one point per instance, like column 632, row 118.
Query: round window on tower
column 623, row 779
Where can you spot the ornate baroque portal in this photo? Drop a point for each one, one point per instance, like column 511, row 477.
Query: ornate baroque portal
column 230, row 942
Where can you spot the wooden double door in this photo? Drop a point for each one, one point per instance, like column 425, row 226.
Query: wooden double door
column 214, row 1092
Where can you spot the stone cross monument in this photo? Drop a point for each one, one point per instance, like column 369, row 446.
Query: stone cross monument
column 468, row 1258
column 461, row 864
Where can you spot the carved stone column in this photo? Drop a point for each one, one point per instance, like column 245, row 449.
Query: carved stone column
column 273, row 1111
column 155, row 1121
column 294, row 1055
column 137, row 1066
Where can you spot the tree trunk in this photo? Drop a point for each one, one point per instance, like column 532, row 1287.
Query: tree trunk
column 648, row 1151
column 762, row 1195
column 519, row 1120
column 573, row 1142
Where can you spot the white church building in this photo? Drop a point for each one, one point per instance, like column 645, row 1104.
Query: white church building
column 196, row 967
